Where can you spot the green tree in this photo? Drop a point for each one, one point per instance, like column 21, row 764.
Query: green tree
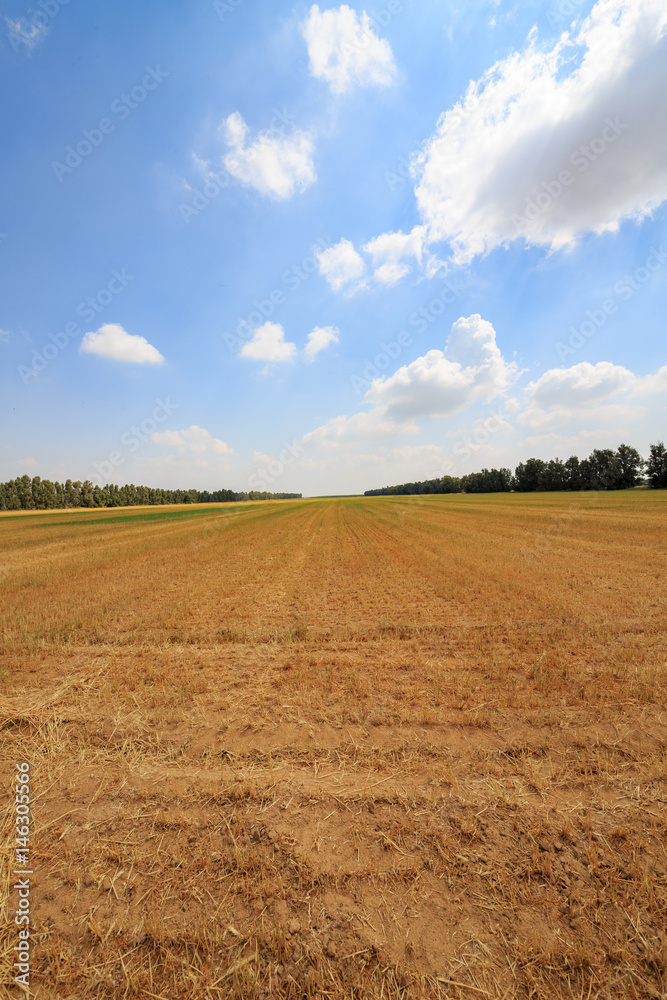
column 631, row 464
column 527, row 476
column 605, row 469
column 656, row 467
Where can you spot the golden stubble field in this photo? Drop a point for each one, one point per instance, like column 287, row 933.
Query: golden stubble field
column 385, row 747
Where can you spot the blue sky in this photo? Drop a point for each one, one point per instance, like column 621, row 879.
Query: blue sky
column 323, row 249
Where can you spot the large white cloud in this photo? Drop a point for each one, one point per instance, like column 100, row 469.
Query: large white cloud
column 344, row 50
column 342, row 266
column 581, row 384
column 604, row 390
column 268, row 344
column 443, row 382
column 553, row 143
column 275, row 165
column 112, row 341
column 439, row 384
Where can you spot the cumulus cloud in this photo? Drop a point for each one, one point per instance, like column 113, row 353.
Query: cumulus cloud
column 444, row 382
column 564, row 394
column 439, row 384
column 389, row 252
column 194, row 439
column 652, row 384
column 554, row 143
column 581, row 384
column 344, row 50
column 318, row 339
column 342, row 266
column 268, row 344
column 112, row 341
column 275, row 165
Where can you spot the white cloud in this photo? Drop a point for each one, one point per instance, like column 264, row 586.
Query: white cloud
column 581, row 385
column 606, row 390
column 360, row 427
column 342, row 266
column 318, row 339
column 444, row 382
column 438, row 384
column 389, row 252
column 112, row 341
column 5, row 335
column 268, row 344
column 593, row 105
column 344, row 50
column 651, row 384
column 275, row 165
column 193, row 440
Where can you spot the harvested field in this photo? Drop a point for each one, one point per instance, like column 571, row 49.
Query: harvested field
column 387, row 747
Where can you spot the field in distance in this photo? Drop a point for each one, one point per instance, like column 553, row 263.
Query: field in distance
column 346, row 747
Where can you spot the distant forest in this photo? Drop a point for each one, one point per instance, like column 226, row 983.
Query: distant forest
column 602, row 470
column 42, row 494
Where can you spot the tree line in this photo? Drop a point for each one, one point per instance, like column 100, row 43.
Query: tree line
column 604, row 469
column 42, row 494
